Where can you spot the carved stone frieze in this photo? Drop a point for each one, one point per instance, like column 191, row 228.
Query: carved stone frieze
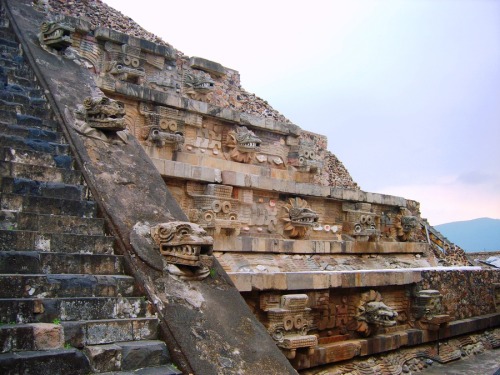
column 289, row 322
column 373, row 313
column 216, row 210
column 299, row 218
column 101, row 118
column 197, row 85
column 243, row 144
column 360, row 222
column 304, row 157
column 405, row 225
column 427, row 309
column 163, row 126
column 55, row 35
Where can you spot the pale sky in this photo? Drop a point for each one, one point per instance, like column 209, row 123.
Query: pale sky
column 407, row 91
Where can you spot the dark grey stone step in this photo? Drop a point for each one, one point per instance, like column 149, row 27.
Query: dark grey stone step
column 8, row 34
column 29, row 310
column 53, row 362
column 127, row 356
column 28, row 156
column 51, row 223
column 9, row 42
column 21, row 97
column 36, row 111
column 9, row 50
column 33, row 262
column 45, row 189
column 49, row 206
column 55, row 286
column 95, row 332
column 22, row 143
column 40, row 173
column 31, row 336
column 7, row 128
column 160, row 370
column 13, row 240
column 10, row 116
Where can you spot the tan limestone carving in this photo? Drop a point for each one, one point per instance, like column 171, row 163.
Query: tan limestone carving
column 299, row 218
column 125, row 63
column 197, row 86
column 405, row 225
column 373, row 313
column 244, row 144
column 163, row 126
column 216, row 210
column 360, row 222
column 55, row 35
column 186, row 247
column 289, row 323
column 304, row 158
column 101, row 118
column 427, row 310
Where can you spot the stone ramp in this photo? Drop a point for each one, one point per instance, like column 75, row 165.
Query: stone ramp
column 203, row 334
column 66, row 304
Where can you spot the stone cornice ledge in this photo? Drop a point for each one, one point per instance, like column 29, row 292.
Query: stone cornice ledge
column 248, row 281
column 212, row 175
column 201, row 108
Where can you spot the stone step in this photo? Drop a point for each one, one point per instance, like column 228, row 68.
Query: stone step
column 69, row 285
column 30, row 310
column 9, row 42
column 33, row 262
column 95, row 332
column 7, row 49
column 32, row 157
column 31, row 336
column 12, row 117
column 22, row 143
column 13, row 240
column 53, row 362
column 159, row 370
column 8, row 34
column 40, row 173
column 6, row 61
column 128, row 356
column 36, row 111
column 7, row 128
column 49, row 206
column 45, row 189
column 21, row 97
column 51, row 223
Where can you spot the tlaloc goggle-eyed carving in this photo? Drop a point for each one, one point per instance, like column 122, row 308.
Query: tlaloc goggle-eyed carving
column 104, row 113
column 182, row 243
column 56, row 35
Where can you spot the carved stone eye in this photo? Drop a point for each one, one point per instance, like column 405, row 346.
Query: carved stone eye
column 357, row 228
column 288, row 323
column 226, row 207
column 216, row 206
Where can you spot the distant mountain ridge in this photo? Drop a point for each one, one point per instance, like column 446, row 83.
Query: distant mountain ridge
column 481, row 234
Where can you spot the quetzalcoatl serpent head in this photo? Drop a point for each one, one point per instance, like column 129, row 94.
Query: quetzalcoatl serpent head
column 182, row 243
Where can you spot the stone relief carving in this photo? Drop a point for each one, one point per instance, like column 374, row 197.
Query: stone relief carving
column 55, row 35
column 186, row 247
column 244, row 144
column 304, row 158
column 162, row 126
column 373, row 313
column 197, row 85
column 289, row 323
column 427, row 310
column 101, row 118
column 360, row 222
column 405, row 225
column 299, row 218
column 216, row 210
column 124, row 62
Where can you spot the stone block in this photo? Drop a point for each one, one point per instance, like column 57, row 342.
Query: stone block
column 303, row 280
column 104, row 358
column 269, row 281
column 143, row 354
column 207, row 66
column 47, row 336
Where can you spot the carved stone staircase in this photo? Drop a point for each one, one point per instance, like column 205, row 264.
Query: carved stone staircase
column 66, row 304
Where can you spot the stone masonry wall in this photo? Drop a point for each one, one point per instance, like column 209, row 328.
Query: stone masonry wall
column 228, row 92
column 465, row 294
